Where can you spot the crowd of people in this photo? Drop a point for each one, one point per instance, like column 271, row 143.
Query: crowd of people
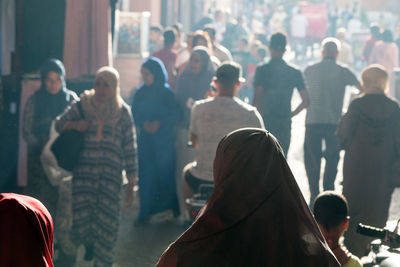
column 197, row 92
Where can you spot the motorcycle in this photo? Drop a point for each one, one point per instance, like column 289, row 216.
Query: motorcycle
column 197, row 201
column 385, row 250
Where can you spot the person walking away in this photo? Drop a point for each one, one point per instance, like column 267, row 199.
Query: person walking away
column 326, row 81
column 274, row 83
column 370, row 134
column 156, row 114
column 41, row 109
column 219, row 51
column 385, row 52
column 375, row 31
column 298, row 26
column 345, row 53
column 211, row 119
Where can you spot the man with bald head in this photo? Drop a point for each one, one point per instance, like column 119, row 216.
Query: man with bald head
column 326, row 82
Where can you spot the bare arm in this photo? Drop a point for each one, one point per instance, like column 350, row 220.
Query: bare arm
column 305, row 102
column 194, row 140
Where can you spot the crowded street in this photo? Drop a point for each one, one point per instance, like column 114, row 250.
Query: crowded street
column 176, row 133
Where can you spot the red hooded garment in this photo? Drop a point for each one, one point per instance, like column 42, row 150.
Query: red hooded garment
column 26, row 232
column 256, row 216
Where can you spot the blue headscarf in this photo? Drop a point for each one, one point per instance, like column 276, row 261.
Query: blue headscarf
column 48, row 106
column 157, row 68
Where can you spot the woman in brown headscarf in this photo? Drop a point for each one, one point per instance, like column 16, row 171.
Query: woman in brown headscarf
column 256, row 216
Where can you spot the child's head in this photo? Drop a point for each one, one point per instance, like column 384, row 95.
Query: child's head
column 374, row 79
column 331, row 214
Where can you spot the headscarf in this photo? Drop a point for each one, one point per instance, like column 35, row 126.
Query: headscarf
column 48, row 106
column 149, row 100
column 193, row 86
column 256, row 216
column 109, row 112
column 26, row 232
column 157, row 68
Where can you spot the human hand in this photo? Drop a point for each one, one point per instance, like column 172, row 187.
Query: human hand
column 81, row 125
column 128, row 198
column 151, row 127
column 210, row 93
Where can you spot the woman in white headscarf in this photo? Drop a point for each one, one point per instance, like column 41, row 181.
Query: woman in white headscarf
column 109, row 148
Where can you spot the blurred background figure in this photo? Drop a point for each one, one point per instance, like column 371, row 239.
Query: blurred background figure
column 168, row 55
column 40, row 110
column 370, row 133
column 180, row 46
column 218, row 50
column 156, row 114
column 26, row 230
column 385, row 52
column 194, row 84
column 155, row 39
column 298, row 31
column 345, row 54
column 375, row 36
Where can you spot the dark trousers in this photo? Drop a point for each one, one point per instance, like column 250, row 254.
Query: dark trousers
column 281, row 130
column 315, row 134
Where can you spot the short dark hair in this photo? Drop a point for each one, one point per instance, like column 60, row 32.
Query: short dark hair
column 244, row 40
column 229, row 73
column 210, row 30
column 375, row 31
column 387, row 36
column 330, row 209
column 278, row 42
column 156, row 28
column 169, row 37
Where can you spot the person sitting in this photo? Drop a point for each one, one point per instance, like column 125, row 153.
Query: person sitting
column 26, row 232
column 256, row 216
column 211, row 119
column 331, row 214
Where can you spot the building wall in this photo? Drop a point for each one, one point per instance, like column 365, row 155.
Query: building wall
column 154, row 6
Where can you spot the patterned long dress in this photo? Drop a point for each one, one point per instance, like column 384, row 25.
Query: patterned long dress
column 97, row 182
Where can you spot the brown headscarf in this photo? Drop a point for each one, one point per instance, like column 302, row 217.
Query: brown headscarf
column 256, row 216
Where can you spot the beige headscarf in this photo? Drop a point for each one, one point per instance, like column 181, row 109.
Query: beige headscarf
column 375, row 79
column 108, row 112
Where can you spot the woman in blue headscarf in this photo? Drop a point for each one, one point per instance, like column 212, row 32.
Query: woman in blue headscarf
column 155, row 113
column 41, row 108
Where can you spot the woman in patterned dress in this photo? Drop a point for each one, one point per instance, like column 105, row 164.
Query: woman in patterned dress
column 109, row 148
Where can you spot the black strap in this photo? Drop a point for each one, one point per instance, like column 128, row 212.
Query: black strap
column 82, row 115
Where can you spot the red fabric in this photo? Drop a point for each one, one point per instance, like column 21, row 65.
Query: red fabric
column 168, row 57
column 256, row 216
column 26, row 232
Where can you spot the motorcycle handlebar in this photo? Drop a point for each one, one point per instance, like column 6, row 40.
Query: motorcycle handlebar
column 371, row 231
